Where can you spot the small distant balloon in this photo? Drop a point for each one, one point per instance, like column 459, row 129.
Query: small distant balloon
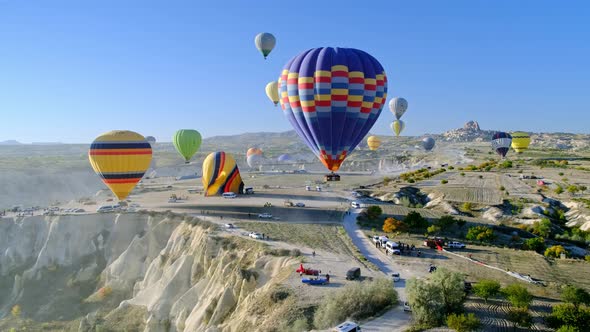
column 428, row 143
column 120, row 158
column 373, row 142
column 187, row 142
column 398, row 106
column 272, row 92
column 284, row 158
column 150, row 139
column 398, row 126
column 254, row 160
column 520, row 141
column 265, row 42
column 501, row 142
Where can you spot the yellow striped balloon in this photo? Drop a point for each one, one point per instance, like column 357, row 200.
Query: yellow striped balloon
column 221, row 175
column 120, row 158
column 373, row 142
column 520, row 141
column 398, row 126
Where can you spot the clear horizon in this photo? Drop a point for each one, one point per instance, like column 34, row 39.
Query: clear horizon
column 71, row 71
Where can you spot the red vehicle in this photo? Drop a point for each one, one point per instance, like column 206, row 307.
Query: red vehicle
column 310, row 272
column 436, row 243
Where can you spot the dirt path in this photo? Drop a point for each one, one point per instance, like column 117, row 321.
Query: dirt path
column 395, row 319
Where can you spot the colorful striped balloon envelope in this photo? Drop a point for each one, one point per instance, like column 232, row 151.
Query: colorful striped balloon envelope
column 120, row 158
column 221, row 175
column 332, row 97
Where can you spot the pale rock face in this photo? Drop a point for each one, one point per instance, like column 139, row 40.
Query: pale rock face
column 179, row 272
column 577, row 215
column 471, row 125
column 493, row 214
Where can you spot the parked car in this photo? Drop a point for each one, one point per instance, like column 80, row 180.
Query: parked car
column 392, row 248
column 255, row 235
column 407, row 307
column 318, row 188
column 265, row 216
column 354, row 273
column 299, row 204
column 355, row 205
column 347, row 327
column 455, row 244
column 308, row 188
column 229, row 226
column 229, row 195
column 395, row 276
column 108, row 208
column 249, row 190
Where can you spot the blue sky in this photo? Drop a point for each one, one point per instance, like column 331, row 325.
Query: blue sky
column 70, row 70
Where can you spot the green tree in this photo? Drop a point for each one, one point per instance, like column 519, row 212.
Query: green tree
column 486, row 288
column 433, row 229
column 567, row 328
column 374, row 212
column 520, row 317
column 414, row 220
column 426, row 300
column 558, row 190
column 555, row 251
column 542, row 228
column 535, row 244
column 444, row 181
column 567, row 314
column 480, row 233
column 461, row 223
column 575, row 296
column 518, row 295
column 452, row 288
column 572, row 189
column 445, row 221
column 463, row 323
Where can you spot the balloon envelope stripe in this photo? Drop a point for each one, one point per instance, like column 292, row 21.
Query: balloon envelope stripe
column 109, row 176
column 114, row 152
column 120, row 145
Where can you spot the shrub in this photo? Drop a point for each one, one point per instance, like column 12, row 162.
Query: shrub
column 535, row 244
column 567, row 314
column 502, row 188
column 481, row 176
column 558, row 190
column 541, row 228
column 463, row 323
column 373, row 212
column 445, row 221
column 486, row 288
column 104, row 292
column 462, row 174
column 560, row 173
column 518, row 296
column 411, row 180
column 520, row 317
column 355, row 301
column 572, row 189
column 433, row 229
column 467, row 206
column 15, row 311
column 555, row 251
column 444, row 181
column 392, row 225
column 461, row 222
column 587, row 258
column 295, row 252
column 480, row 233
column 575, row 296
column 434, row 299
column 414, row 220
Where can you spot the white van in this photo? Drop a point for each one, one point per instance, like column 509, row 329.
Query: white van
column 108, row 208
column 392, row 248
column 347, row 327
column 355, row 205
column 229, row 195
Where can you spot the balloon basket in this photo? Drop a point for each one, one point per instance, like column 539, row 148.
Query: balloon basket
column 331, row 177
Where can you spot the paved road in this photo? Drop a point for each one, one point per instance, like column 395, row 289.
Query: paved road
column 395, row 319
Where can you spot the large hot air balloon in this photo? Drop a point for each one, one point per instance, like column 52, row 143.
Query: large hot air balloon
column 332, row 97
column 373, row 142
column 284, row 158
column 221, row 175
column 398, row 126
column 265, row 42
column 187, row 142
column 398, row 107
column 120, row 158
column 272, row 91
column 520, row 141
column 428, row 143
column 501, row 143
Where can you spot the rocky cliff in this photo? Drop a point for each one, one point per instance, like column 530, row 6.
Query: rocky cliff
column 176, row 273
